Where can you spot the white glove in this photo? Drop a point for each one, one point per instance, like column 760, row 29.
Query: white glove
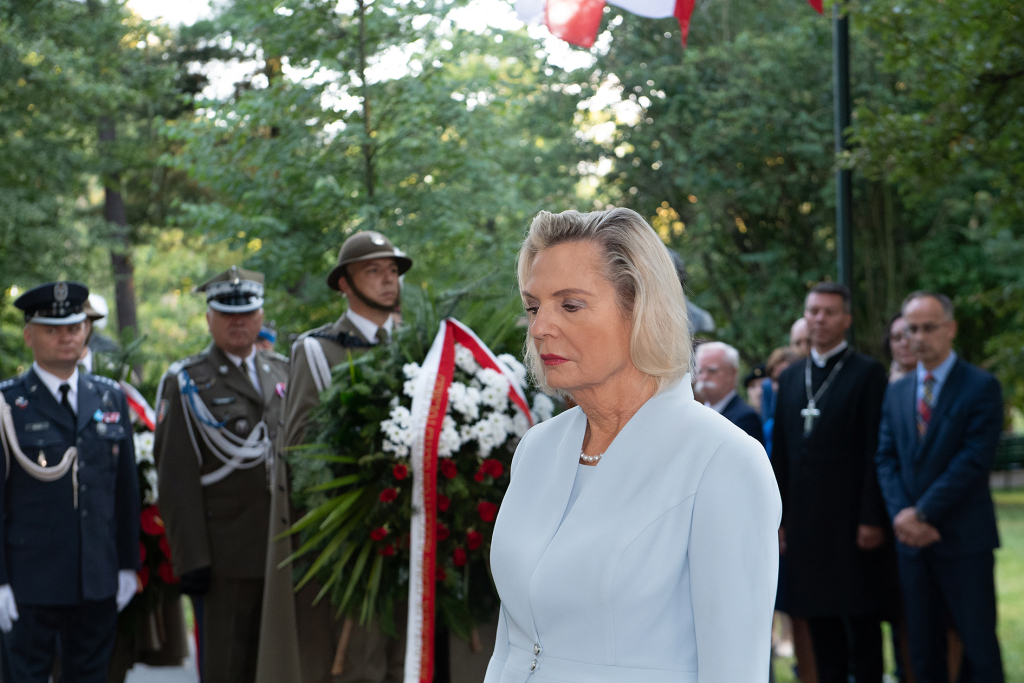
column 127, row 587
column 8, row 610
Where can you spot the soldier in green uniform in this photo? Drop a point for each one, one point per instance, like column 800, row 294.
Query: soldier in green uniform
column 368, row 272
column 218, row 417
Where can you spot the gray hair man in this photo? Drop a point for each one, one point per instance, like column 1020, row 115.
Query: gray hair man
column 718, row 365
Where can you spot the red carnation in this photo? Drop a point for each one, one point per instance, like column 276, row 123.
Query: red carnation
column 487, row 510
column 165, row 547
column 387, row 551
column 459, row 557
column 448, row 468
column 167, row 573
column 442, row 532
column 479, row 476
column 474, row 539
column 142, row 551
column 400, row 471
column 440, row 574
column 388, row 495
column 379, row 533
column 144, row 577
column 151, row 522
column 494, row 467
column 443, row 502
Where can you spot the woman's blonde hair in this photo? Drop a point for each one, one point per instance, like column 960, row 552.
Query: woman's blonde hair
column 640, row 270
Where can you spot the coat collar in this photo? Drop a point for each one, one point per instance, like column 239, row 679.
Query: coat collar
column 235, row 377
column 45, row 403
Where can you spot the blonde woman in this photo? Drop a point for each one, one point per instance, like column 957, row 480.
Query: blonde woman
column 637, row 540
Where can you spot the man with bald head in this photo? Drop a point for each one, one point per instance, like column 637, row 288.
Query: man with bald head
column 717, row 367
column 800, row 337
column 937, row 440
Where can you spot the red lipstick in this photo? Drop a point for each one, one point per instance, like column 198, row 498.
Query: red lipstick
column 552, row 359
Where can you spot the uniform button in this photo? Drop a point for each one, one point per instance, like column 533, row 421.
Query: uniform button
column 79, row 440
column 536, row 649
column 84, row 488
column 85, row 513
column 533, row 665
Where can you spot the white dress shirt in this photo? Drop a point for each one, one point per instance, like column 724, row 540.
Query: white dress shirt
column 53, row 383
column 367, row 327
column 720, row 406
column 250, row 367
column 821, row 359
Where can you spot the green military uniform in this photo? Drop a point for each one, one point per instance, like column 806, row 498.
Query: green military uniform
column 215, row 449
column 308, row 655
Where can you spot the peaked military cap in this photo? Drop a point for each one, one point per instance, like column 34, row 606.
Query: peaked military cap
column 54, row 303
column 91, row 313
column 236, row 290
column 363, row 246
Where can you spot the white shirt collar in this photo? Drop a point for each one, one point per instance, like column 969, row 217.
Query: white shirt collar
column 821, row 359
column 250, row 360
column 86, row 362
column 367, row 327
column 720, row 406
column 53, row 383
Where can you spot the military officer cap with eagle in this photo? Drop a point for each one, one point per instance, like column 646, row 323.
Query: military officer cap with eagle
column 54, row 303
column 236, row 290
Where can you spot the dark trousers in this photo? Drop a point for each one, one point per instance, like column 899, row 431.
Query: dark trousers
column 963, row 587
column 845, row 645
column 231, row 630
column 86, row 633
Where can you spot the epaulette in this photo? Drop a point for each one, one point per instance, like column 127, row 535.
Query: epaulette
column 8, row 383
column 279, row 356
column 105, row 380
column 343, row 339
column 179, row 365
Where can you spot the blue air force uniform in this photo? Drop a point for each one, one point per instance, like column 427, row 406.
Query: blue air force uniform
column 63, row 542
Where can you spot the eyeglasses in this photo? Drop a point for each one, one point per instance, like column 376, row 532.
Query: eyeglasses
column 708, row 370
column 898, row 337
column 925, row 328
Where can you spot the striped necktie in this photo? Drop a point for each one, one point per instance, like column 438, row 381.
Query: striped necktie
column 924, row 405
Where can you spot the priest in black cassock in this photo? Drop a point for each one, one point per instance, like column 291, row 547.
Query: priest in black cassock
column 835, row 535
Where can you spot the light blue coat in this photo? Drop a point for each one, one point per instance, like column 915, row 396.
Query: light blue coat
column 664, row 570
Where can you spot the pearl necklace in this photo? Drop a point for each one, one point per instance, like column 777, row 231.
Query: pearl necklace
column 590, row 459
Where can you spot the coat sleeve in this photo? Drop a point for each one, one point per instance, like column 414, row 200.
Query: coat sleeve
column 127, row 498
column 734, row 564
column 180, row 491
column 872, row 506
column 969, row 468
column 300, row 398
column 887, row 458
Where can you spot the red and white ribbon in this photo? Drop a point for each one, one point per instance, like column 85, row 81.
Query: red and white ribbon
column 429, row 404
column 137, row 402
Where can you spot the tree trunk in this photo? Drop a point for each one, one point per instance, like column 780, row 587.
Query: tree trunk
column 365, row 87
column 120, row 253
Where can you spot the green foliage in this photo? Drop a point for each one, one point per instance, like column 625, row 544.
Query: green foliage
column 351, row 487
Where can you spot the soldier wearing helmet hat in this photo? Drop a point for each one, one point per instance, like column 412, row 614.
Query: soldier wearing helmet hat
column 218, row 422
column 368, row 275
column 69, row 495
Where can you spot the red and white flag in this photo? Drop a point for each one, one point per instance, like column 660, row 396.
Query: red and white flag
column 577, row 21
column 139, row 406
column 429, row 404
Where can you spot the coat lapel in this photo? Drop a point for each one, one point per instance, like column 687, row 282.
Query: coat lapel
column 236, row 377
column 950, row 390
column 267, row 383
column 88, row 401
column 346, row 325
column 46, row 404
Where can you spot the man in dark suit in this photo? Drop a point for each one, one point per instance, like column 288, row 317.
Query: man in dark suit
column 717, row 367
column 938, row 436
column 69, row 540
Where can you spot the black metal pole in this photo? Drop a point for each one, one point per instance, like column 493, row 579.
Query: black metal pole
column 844, row 194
